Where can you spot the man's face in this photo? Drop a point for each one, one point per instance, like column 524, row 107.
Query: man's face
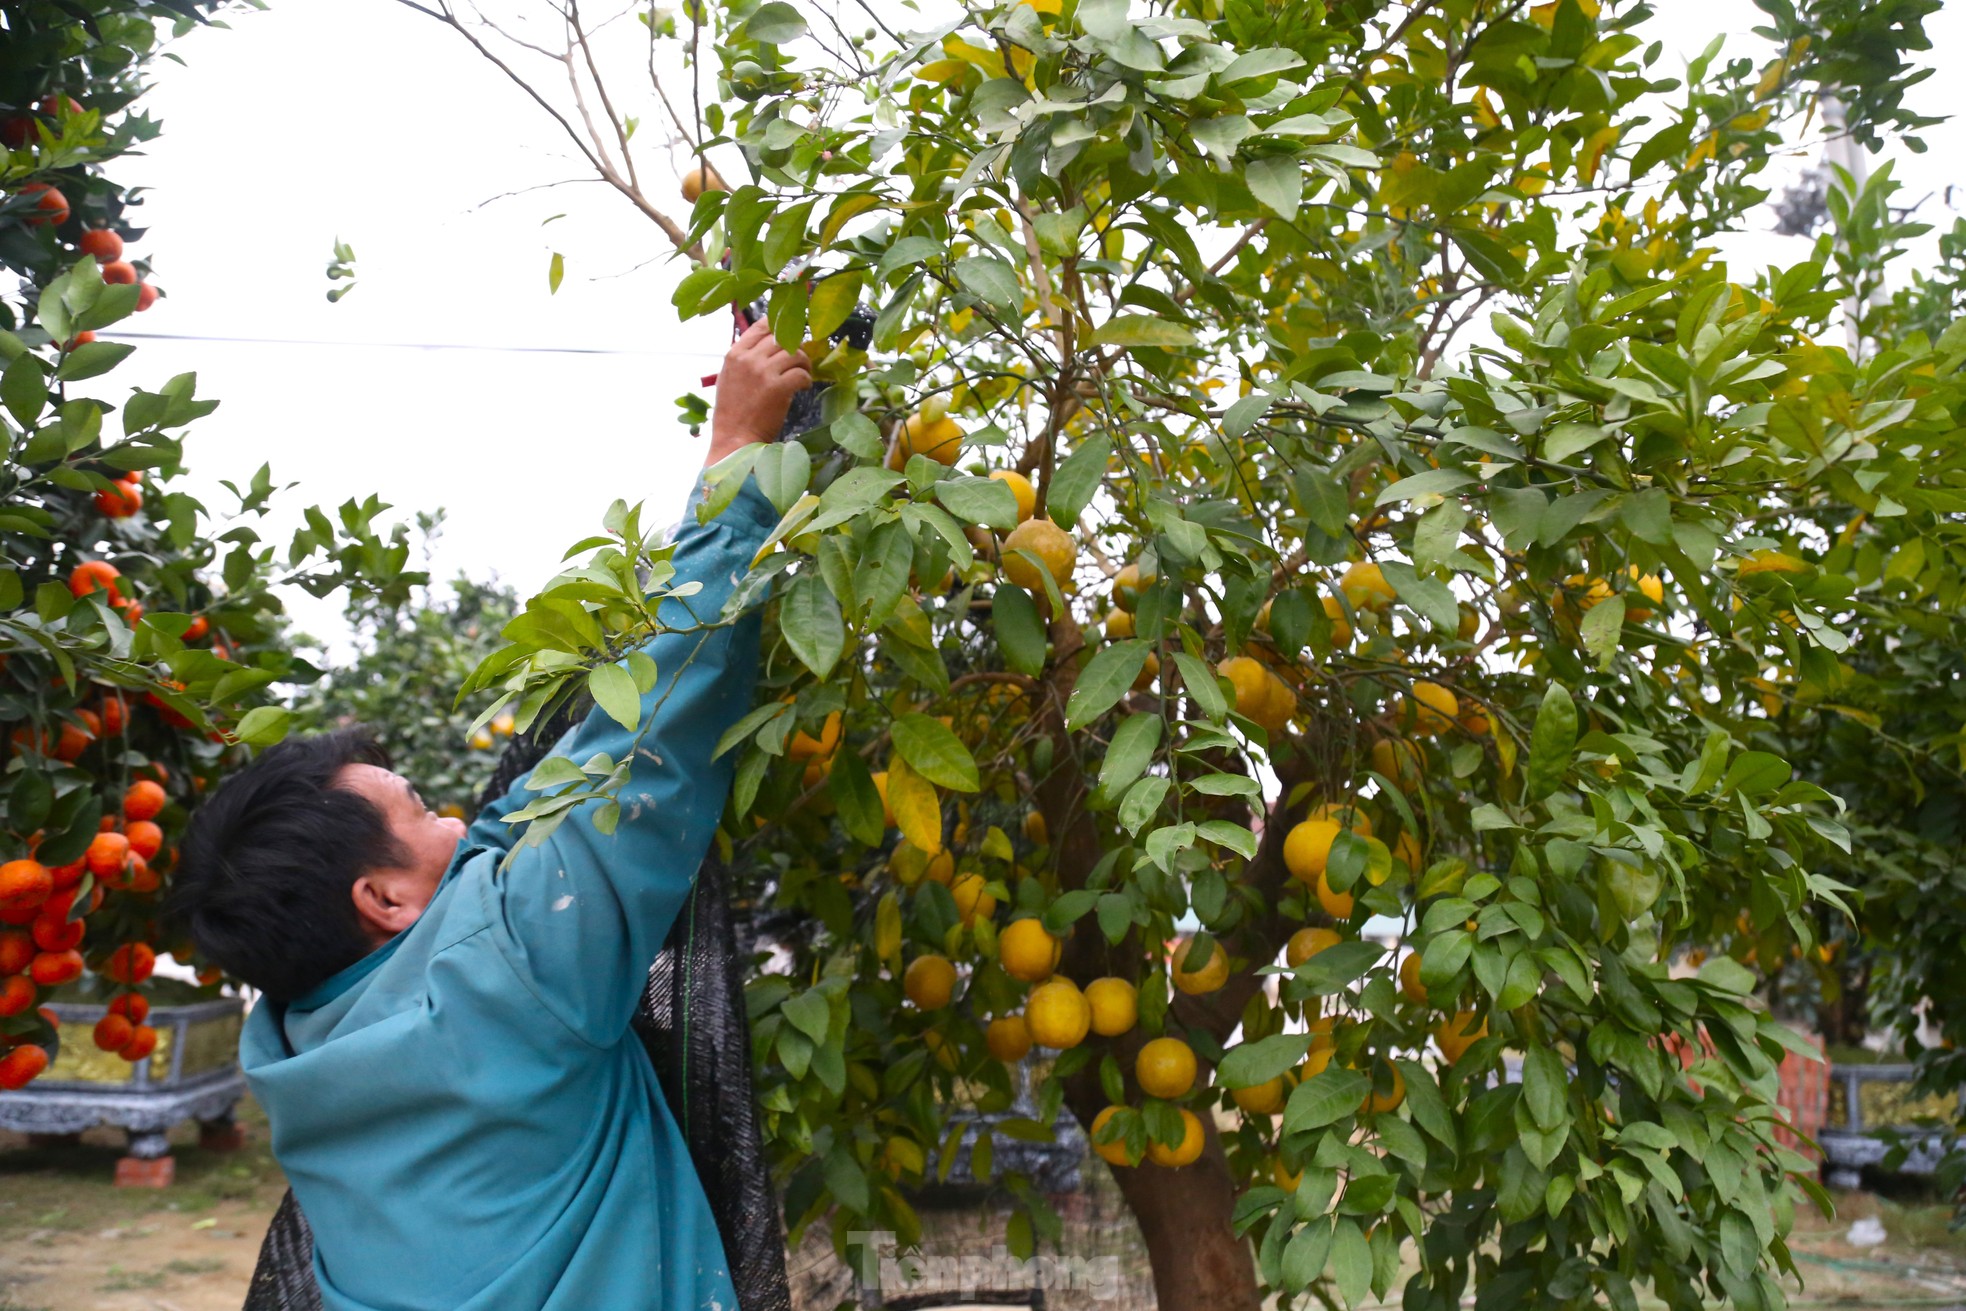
column 395, row 897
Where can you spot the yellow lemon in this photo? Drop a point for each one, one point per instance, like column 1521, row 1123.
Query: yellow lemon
column 1119, row 624
column 1345, row 813
column 1320, row 1031
column 1026, row 952
column 1207, row 977
column 504, row 724
column 1057, row 1014
column 1377, row 1102
column 1126, row 586
column 1307, row 848
column 1007, row 1038
column 1251, row 683
column 1020, row 487
column 1469, row 625
column 1432, row 708
column 1165, row 1068
column 1034, row 828
column 804, row 746
column 1458, row 1034
column 940, row 439
column 1277, row 705
column 1338, row 905
column 1115, row 1006
column 1265, row 1098
column 1049, row 543
column 929, row 982
column 1306, row 943
column 942, row 868
column 1113, row 1153
column 1315, row 1063
column 1365, row 586
column 973, row 899
column 1149, row 671
column 1189, row 1149
column 1286, row 1179
column 1409, row 978
column 481, row 740
column 1398, row 760
column 1406, row 848
column 1341, row 628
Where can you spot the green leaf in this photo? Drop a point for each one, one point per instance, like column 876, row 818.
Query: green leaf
column 1259, row 1062
column 1432, row 482
column 1755, row 773
column 1131, row 330
column 1545, row 1088
column 262, row 726
column 993, row 280
column 92, row 359
column 1351, row 1261
column 810, row 622
column 858, row 800
column 556, row 270
column 1551, row 742
column 613, row 690
column 1307, row 1255
column 1602, row 626
column 810, row 1013
column 1324, row 1098
column 985, row 501
column 833, row 300
column 1106, row 678
column 1076, row 479
column 1277, row 182
column 1019, row 629
column 1132, row 750
column 783, row 470
column 935, row 752
column 775, row 24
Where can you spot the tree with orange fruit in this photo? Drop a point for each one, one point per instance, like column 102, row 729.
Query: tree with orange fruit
column 142, row 639
column 1197, row 604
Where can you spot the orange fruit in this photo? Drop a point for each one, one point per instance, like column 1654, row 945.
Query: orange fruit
column 24, row 884
column 1306, row 943
column 143, row 800
column 1409, row 978
column 142, row 1042
column 804, row 746
column 113, row 1033
column 1020, row 487
column 21, row 1066
column 1113, row 1153
column 700, row 179
column 52, row 207
column 1459, row 1033
column 93, row 576
column 132, row 1006
column 1115, row 1006
column 58, row 933
column 1378, row 1101
column 1338, row 905
column 119, row 273
column 108, row 854
column 130, row 963
column 1207, row 977
column 145, row 839
column 1027, row 952
column 973, row 899
column 1307, row 848
column 939, row 439
column 17, row 993
column 1007, row 1038
column 1431, row 708
column 1265, row 1098
column 1365, row 586
column 1049, row 543
column 1165, row 1068
column 1057, row 1014
column 16, row 950
column 102, row 243
column 121, row 500
column 51, row 969
column 146, row 296
column 929, row 982
column 1188, row 1151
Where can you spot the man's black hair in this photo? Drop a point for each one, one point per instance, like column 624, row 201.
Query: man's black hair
column 268, row 861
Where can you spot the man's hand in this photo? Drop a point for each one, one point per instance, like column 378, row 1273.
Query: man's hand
column 754, row 389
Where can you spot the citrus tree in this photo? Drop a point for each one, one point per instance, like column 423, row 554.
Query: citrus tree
column 142, row 640
column 1281, row 632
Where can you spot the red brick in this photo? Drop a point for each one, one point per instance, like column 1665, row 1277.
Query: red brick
column 136, row 1172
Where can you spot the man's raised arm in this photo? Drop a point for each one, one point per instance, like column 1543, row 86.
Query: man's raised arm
column 583, row 915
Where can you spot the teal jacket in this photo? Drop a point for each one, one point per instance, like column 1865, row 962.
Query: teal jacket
column 465, row 1116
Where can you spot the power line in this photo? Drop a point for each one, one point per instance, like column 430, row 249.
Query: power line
column 414, row 345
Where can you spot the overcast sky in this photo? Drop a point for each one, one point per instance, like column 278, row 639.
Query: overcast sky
column 450, row 377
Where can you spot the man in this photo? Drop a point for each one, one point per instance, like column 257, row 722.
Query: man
column 443, row 1048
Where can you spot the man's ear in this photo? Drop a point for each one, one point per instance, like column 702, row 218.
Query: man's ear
column 379, row 904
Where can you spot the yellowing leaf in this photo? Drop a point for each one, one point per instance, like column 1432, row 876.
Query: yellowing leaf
column 1772, row 562
column 858, row 202
column 1593, row 152
column 917, row 809
column 988, row 60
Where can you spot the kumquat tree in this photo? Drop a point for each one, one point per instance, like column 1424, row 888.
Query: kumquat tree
column 1311, row 479
column 142, row 642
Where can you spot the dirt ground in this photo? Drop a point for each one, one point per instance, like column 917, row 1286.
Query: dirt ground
column 70, row 1241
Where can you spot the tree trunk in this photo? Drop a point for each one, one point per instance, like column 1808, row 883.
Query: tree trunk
column 1199, row 1263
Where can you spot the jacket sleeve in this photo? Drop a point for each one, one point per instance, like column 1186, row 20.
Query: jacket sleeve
column 583, row 915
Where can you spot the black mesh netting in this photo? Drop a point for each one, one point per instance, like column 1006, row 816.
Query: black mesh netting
column 693, row 1023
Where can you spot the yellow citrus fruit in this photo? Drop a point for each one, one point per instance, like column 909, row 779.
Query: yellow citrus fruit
column 1365, row 586
column 1189, row 1150
column 1119, row 624
column 942, row 868
column 1115, row 1006
column 1307, row 848
column 1112, row 1153
column 1409, row 978
column 1475, row 721
column 1007, row 1038
column 1458, row 1034
column 1277, row 704
column 1209, row 976
column 1432, row 708
column 1049, row 543
column 1034, row 828
column 1020, row 487
column 1306, row 943
column 1315, row 1063
column 1345, row 813
column 1406, row 848
column 1469, row 625
column 1338, row 905
column 804, row 746
column 1057, row 1014
column 701, row 179
column 1320, row 1031
column 504, row 725
column 1165, row 1068
column 1651, row 587
column 1251, row 683
column 945, row 1053
column 1265, row 1098
column 1398, row 760
column 1149, row 671
column 929, row 982
column 973, row 899
column 481, row 740
column 1341, row 628
column 1026, row 952
column 940, row 439
column 816, row 772
column 1126, row 587
column 1286, row 1179
column 1378, row 1102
